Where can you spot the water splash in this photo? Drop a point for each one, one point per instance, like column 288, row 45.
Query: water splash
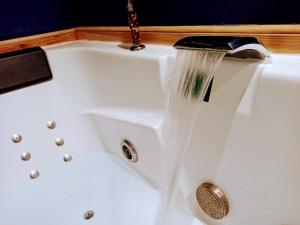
column 189, row 81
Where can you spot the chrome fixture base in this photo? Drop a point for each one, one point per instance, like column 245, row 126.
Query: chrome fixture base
column 137, row 47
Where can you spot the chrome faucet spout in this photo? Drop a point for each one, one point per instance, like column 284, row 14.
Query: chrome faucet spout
column 134, row 28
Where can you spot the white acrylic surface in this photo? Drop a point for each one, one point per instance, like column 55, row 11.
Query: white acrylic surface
column 246, row 140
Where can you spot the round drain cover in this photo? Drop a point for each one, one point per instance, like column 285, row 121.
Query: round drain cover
column 212, row 200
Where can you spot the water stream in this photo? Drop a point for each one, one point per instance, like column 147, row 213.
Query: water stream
column 188, row 83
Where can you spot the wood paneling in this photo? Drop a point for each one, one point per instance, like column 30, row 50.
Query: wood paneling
column 276, row 38
column 37, row 40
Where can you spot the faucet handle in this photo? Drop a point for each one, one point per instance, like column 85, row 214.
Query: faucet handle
column 134, row 28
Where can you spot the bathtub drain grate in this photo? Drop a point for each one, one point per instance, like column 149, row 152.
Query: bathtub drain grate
column 212, row 200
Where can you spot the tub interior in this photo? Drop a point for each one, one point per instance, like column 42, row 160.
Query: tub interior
column 245, row 140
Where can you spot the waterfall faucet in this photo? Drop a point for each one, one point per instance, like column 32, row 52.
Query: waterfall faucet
column 134, row 28
column 239, row 47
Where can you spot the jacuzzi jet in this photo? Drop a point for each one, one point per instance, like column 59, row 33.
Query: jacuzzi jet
column 16, row 138
column 212, row 200
column 129, row 150
column 59, row 141
column 34, row 174
column 67, row 157
column 25, row 156
column 51, row 124
column 88, row 215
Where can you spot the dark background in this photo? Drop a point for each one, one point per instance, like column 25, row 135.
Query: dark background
column 21, row 18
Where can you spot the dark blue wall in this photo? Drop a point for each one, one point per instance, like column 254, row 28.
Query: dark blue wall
column 21, row 18
column 192, row 12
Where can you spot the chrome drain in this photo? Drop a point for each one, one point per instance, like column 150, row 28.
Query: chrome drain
column 212, row 201
column 129, row 151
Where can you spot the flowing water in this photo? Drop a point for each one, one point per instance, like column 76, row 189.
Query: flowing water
column 192, row 73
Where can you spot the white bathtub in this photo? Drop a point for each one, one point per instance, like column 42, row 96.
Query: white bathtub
column 246, row 141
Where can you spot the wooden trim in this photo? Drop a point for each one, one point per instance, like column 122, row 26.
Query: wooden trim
column 37, row 40
column 276, row 38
